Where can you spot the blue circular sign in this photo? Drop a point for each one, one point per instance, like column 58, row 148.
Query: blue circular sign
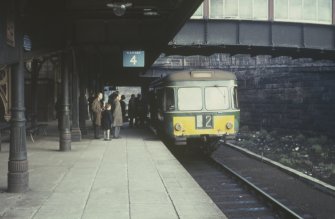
column 26, row 43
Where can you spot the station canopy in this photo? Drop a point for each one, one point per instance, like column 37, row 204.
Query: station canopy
column 101, row 30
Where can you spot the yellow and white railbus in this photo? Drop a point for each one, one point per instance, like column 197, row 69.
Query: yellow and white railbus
column 195, row 105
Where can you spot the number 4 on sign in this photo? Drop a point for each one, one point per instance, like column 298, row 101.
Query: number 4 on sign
column 133, row 60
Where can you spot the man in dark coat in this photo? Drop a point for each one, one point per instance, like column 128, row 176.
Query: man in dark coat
column 58, row 111
column 96, row 108
column 90, row 102
column 123, row 107
column 141, row 111
column 83, row 113
column 131, row 110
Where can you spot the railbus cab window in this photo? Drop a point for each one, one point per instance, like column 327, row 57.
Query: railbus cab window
column 189, row 98
column 216, row 98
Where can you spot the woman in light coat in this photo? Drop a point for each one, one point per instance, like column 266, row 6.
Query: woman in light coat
column 117, row 116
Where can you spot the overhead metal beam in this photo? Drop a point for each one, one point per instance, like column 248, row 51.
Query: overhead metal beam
column 260, row 37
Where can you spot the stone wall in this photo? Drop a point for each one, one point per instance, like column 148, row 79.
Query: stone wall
column 288, row 98
column 274, row 93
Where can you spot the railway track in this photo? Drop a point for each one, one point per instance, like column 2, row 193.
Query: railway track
column 308, row 197
column 234, row 194
column 304, row 196
column 278, row 208
column 230, row 179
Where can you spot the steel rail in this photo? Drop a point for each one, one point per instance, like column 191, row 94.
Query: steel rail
column 322, row 186
column 284, row 211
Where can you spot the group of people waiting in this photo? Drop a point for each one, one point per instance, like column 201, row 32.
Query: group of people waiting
column 107, row 116
column 111, row 115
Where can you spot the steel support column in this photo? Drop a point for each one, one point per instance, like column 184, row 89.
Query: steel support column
column 18, row 177
column 65, row 133
column 75, row 132
column 83, row 106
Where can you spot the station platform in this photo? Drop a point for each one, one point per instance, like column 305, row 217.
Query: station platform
column 132, row 177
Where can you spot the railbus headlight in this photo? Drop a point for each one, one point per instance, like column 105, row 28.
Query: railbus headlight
column 229, row 125
column 178, row 127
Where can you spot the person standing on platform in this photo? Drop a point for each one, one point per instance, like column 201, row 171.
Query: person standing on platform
column 131, row 110
column 97, row 109
column 90, row 102
column 141, row 112
column 106, row 122
column 117, row 116
column 111, row 98
column 123, row 107
column 58, row 111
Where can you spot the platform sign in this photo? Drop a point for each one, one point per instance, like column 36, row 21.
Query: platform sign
column 133, row 59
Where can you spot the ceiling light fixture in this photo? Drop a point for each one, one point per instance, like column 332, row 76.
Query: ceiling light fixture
column 119, row 8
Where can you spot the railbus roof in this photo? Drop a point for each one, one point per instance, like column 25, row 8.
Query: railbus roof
column 196, row 75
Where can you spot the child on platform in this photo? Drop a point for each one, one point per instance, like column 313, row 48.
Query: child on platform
column 106, row 122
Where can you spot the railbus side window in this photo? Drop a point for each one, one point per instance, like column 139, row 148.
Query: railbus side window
column 160, row 102
column 169, row 99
